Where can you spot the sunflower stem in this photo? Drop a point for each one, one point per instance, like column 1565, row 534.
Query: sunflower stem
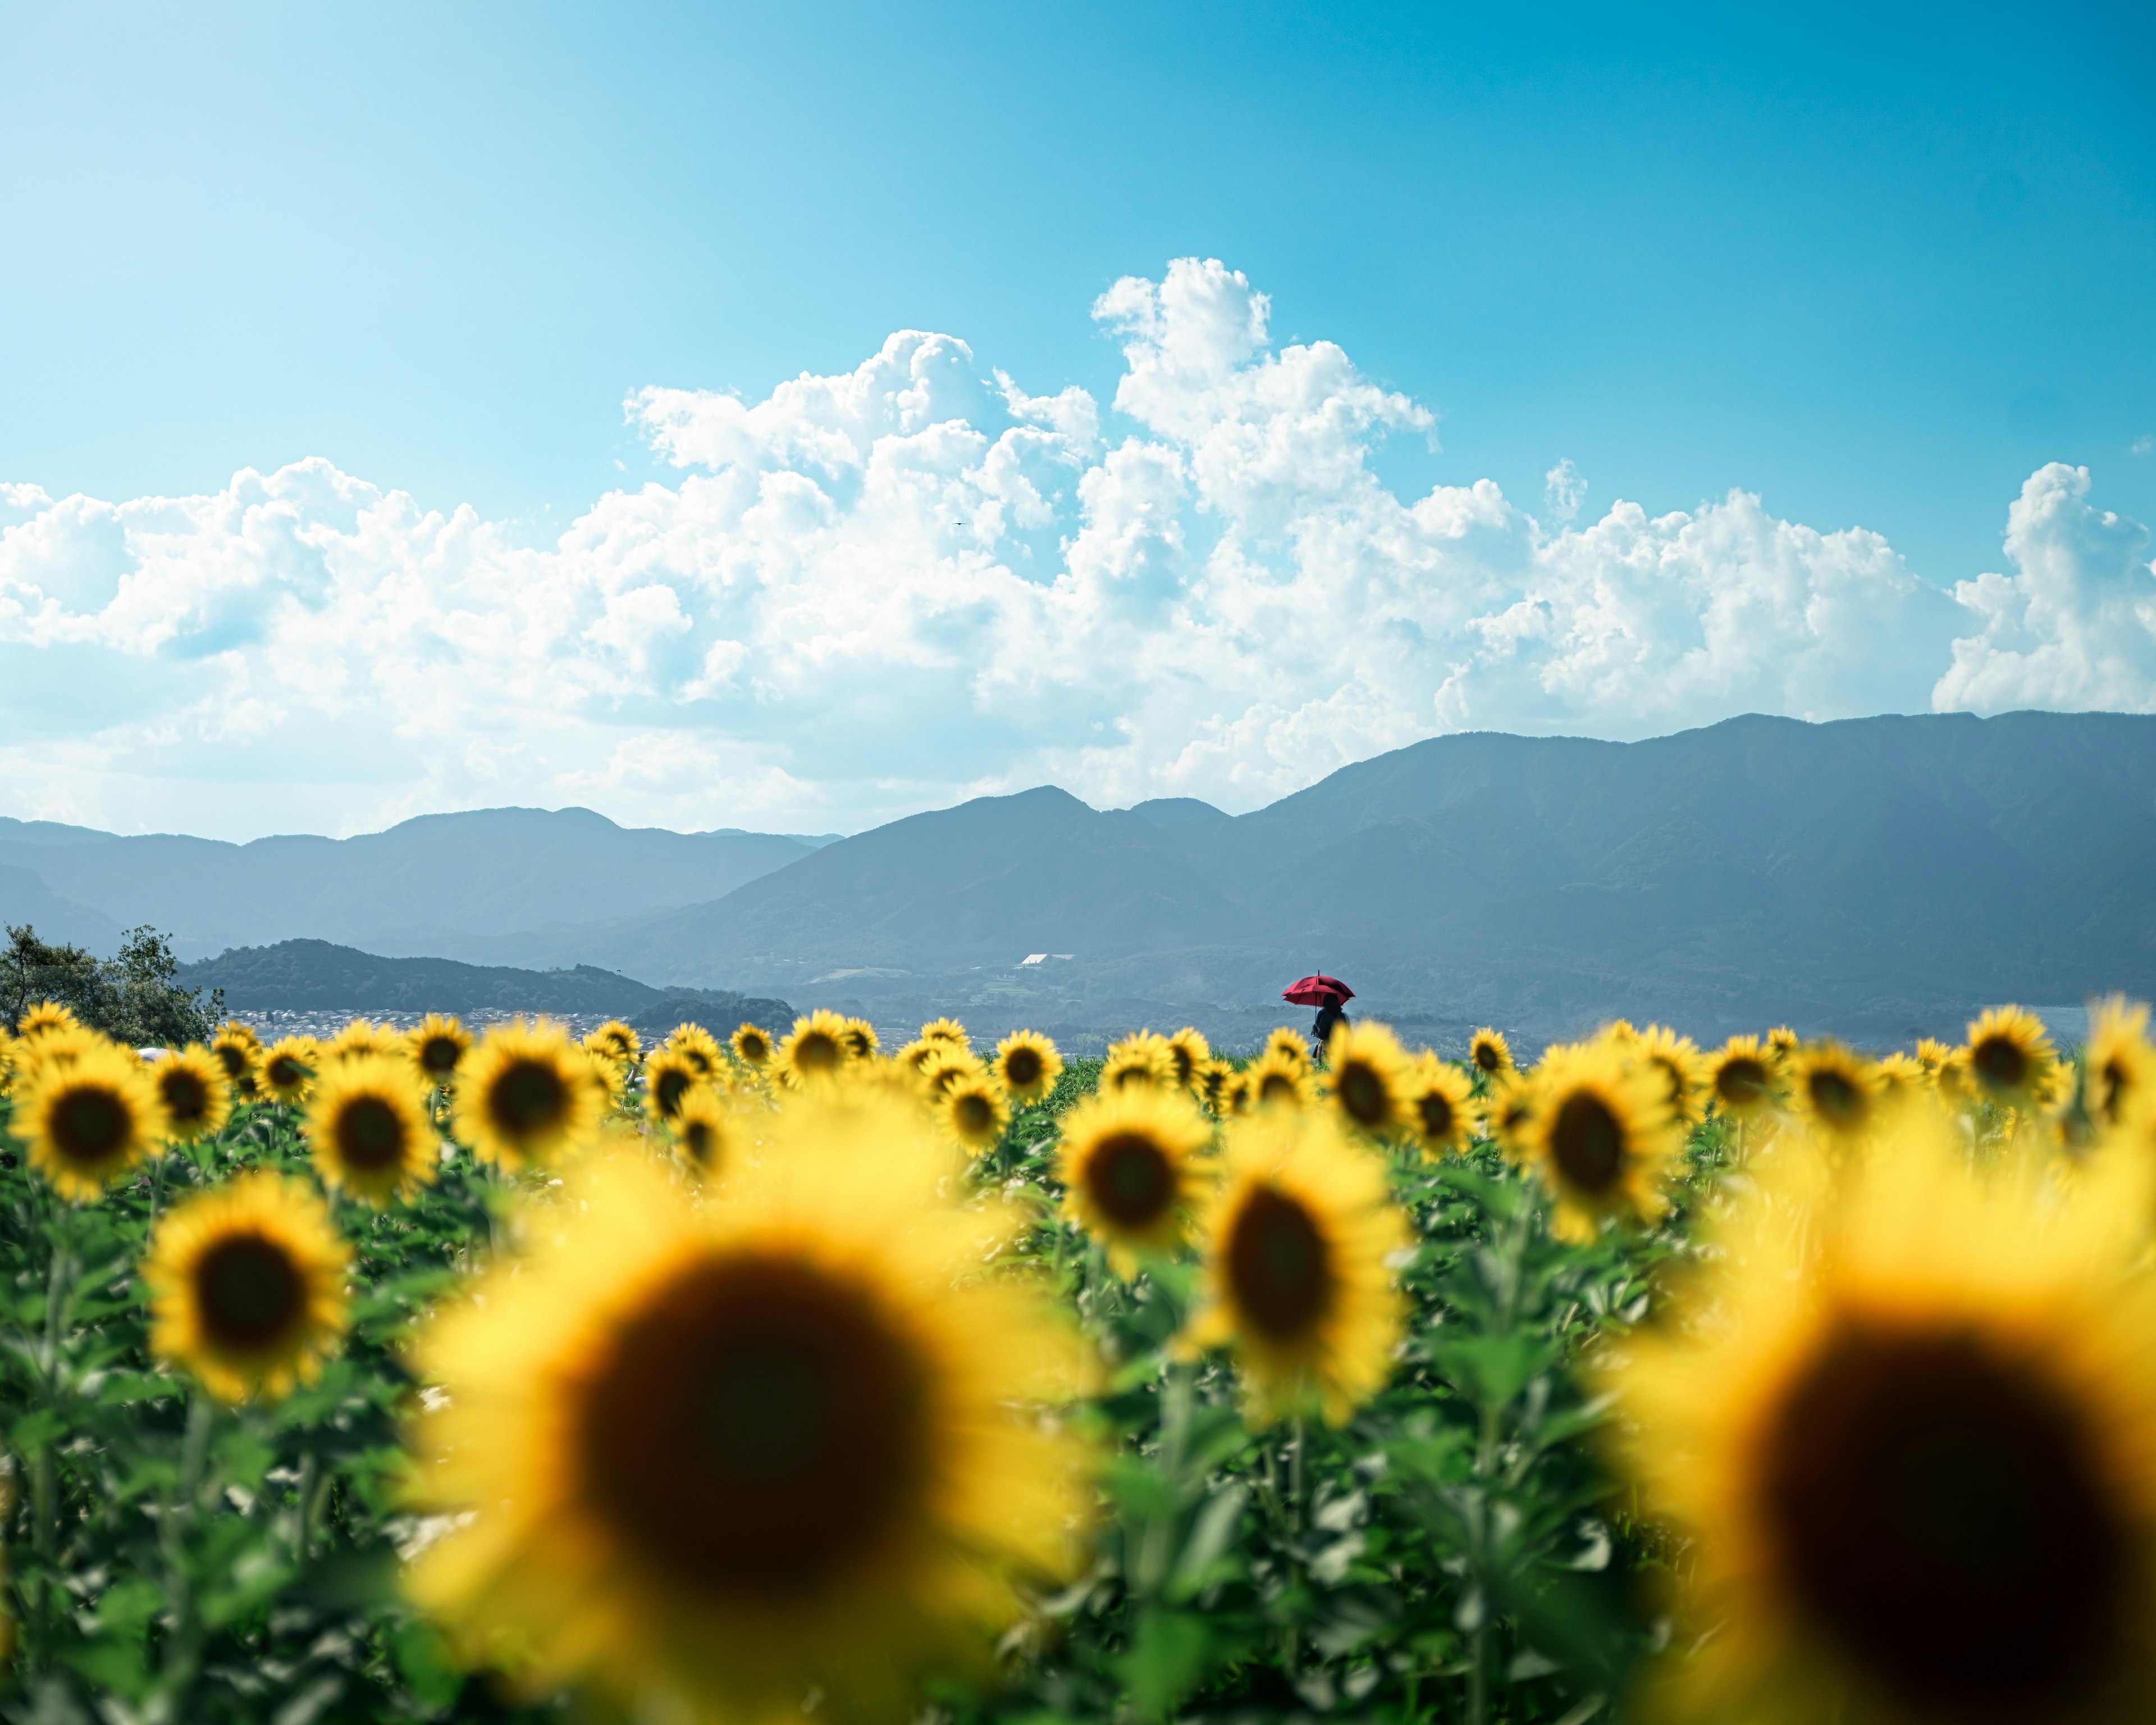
column 182, row 1652
column 43, row 1481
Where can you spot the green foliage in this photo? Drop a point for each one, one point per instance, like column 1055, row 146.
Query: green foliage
column 1454, row 1551
column 135, row 996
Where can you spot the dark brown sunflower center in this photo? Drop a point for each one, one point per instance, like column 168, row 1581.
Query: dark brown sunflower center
column 527, row 1097
column 975, row 1114
column 438, row 1056
column 1587, row 1144
column 1277, row 1087
column 2000, row 1061
column 186, row 1096
column 1941, row 1511
column 668, row 1086
column 1436, row 1108
column 1130, row 1180
column 249, row 1291
column 758, row 1427
column 1363, row 1094
column 370, row 1135
column 1741, row 1081
column 858, row 1044
column 1021, row 1067
column 699, row 1140
column 90, row 1124
column 1131, row 1072
column 284, row 1073
column 818, row 1051
column 1185, row 1063
column 1487, row 1057
column 754, row 1048
column 1279, row 1268
column 232, row 1057
column 1834, row 1097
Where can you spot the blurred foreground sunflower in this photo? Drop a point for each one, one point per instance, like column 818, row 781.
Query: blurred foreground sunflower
column 859, row 1037
column 1279, row 1080
column 191, row 1084
column 1189, row 1050
column 670, row 1075
column 1129, row 1167
column 438, row 1043
column 2118, row 1083
column 696, row 1045
column 948, row 1030
column 705, row 1134
column 88, row 1121
column 814, row 1051
column 1741, row 1078
column 247, row 1286
column 1435, row 1098
column 367, row 1127
column 708, row 1460
column 1287, row 1044
column 1027, row 1065
column 1601, row 1136
column 1298, row 1242
column 44, row 1015
column 1915, row 1465
column 525, row 1095
column 1836, row 1092
column 1143, row 1059
column 1680, row 1066
column 2010, row 1059
column 620, row 1040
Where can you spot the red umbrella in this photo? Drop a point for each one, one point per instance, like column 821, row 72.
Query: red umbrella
column 1318, row 991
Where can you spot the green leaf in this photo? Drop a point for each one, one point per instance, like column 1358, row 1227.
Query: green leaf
column 1168, row 1656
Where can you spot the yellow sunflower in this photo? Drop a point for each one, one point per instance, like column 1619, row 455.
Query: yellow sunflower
column 1488, row 1052
column 948, row 1030
column 1297, row 1244
column 237, row 1051
column 815, row 1050
column 437, row 1046
column 360, row 1038
column 1210, row 1085
column 708, row 1460
column 921, row 1056
column 1366, row 1080
column 698, row 1046
column 974, row 1112
column 1141, row 1059
column 705, row 1134
column 60, row 1045
column 191, row 1084
column 1189, row 1050
column 1238, row 1095
column 368, row 1128
column 246, row 1287
column 287, row 1067
column 1278, row 1079
column 620, row 1040
column 88, row 1121
column 1835, row 1092
column 525, row 1095
column 1742, row 1077
column 1914, row 1463
column 1129, row 1164
column 1901, row 1075
column 950, row 1068
column 44, row 1017
column 1435, row 1097
column 1782, row 1042
column 753, row 1045
column 1932, row 1054
column 2118, row 1083
column 1506, row 1107
column 1288, row 1044
column 670, row 1078
column 1027, row 1065
column 1680, row 1066
column 860, row 1039
column 2010, row 1058
column 1601, row 1137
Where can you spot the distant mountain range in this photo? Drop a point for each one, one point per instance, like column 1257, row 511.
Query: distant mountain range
column 1873, row 876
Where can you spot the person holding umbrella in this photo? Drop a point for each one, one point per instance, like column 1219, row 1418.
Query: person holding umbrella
column 1330, row 996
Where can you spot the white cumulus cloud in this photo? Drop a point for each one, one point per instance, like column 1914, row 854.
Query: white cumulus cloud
column 888, row 588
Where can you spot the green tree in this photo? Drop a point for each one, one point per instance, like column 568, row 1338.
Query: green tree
column 134, row 997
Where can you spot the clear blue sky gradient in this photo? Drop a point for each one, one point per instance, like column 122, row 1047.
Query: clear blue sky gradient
column 1876, row 264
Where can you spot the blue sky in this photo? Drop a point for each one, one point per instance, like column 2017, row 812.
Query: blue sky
column 1876, row 268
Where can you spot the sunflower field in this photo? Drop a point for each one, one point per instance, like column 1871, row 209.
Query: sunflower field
column 413, row 1374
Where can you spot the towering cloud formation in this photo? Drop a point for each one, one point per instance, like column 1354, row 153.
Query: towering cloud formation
column 891, row 587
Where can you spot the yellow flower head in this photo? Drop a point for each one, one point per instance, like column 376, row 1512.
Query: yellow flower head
column 1742, row 1077
column 360, row 1038
column 1507, row 1107
column 975, row 1112
column 753, row 1045
column 1601, row 1137
column 1837, row 1093
column 619, row 1040
column 696, row 1045
column 1366, row 1081
column 368, row 1128
column 2010, row 1059
column 1238, row 1095
column 1436, row 1098
column 1782, row 1042
column 246, row 1287
column 706, row 1134
column 948, row 1030
column 1027, row 1065
column 709, row 1459
column 1279, row 1080
column 1932, row 1054
column 525, row 1095
column 670, row 1076
column 88, row 1121
column 1679, row 1064
column 949, row 1068
column 1189, row 1050
column 288, row 1068
column 239, row 1053
column 1210, row 1085
column 1144, row 1060
column 1912, row 1450
column 1489, row 1053
column 191, row 1084
column 816, row 1049
column 44, row 1016
column 438, row 1045
column 1298, row 1240
column 1129, row 1165
column 860, row 1039
column 1288, row 1044
column 2118, row 1085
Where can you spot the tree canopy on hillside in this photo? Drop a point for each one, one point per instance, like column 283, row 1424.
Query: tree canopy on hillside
column 133, row 997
